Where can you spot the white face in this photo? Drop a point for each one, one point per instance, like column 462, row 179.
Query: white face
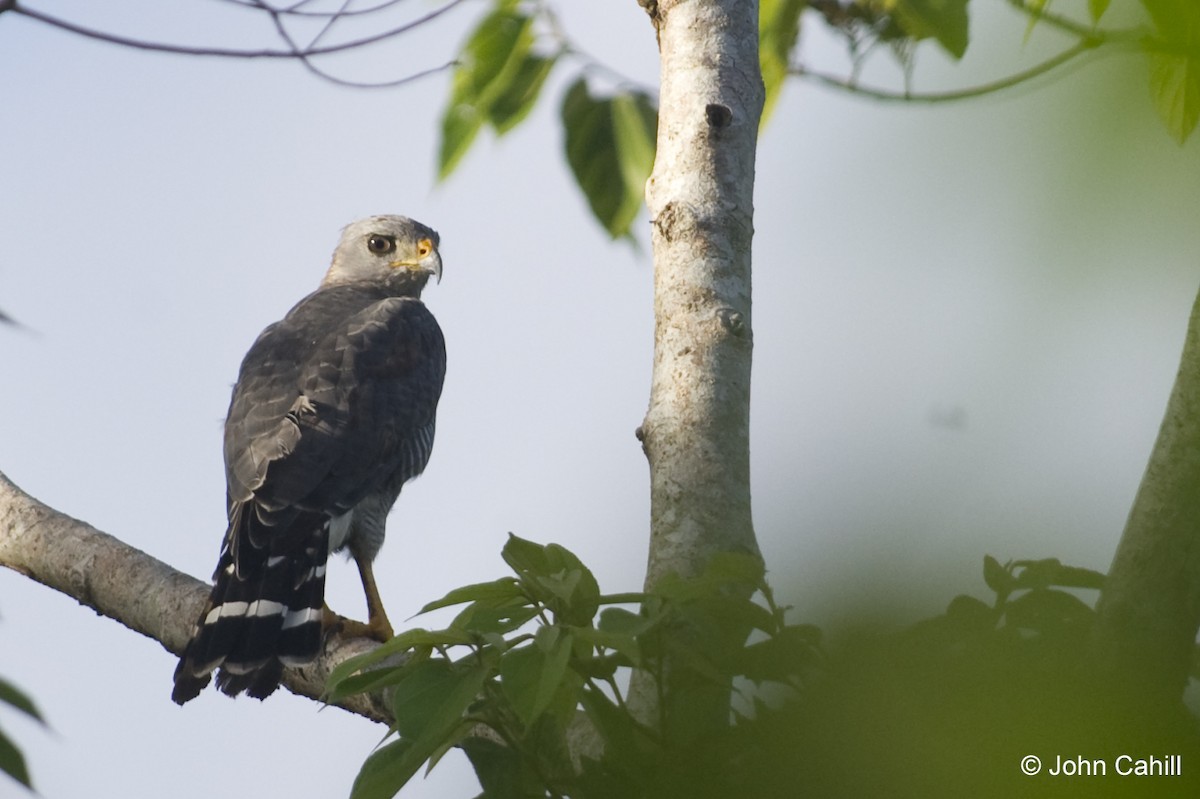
column 374, row 248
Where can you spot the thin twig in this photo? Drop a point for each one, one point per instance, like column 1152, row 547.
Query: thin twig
column 295, row 10
column 1074, row 28
column 162, row 47
column 949, row 96
column 303, row 53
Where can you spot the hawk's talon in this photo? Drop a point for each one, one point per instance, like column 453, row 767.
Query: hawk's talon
column 378, row 629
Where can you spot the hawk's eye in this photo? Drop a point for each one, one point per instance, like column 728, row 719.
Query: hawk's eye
column 381, row 245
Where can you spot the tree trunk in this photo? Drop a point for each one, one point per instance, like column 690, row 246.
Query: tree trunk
column 1149, row 610
column 696, row 433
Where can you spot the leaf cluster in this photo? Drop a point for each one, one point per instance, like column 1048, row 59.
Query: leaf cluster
column 1171, row 45
column 900, row 24
column 1170, row 42
column 500, row 73
column 532, row 680
column 949, row 706
column 610, row 131
column 536, row 659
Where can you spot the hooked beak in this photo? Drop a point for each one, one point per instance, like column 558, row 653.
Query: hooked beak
column 431, row 263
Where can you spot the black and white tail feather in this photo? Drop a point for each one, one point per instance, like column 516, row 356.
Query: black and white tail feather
column 263, row 616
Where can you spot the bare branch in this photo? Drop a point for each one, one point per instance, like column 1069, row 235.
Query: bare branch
column 303, row 53
column 162, row 47
column 959, row 94
column 141, row 592
column 296, row 10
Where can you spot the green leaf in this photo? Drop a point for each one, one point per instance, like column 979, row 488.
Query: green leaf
column 409, row 639
column 524, row 555
column 602, row 667
column 810, row 633
column 966, row 619
column 635, row 128
column 495, row 52
column 429, row 704
column 385, row 772
column 1175, row 85
column 619, row 621
column 778, row 31
column 460, row 125
column 1051, row 571
column 1034, row 573
column 727, row 619
column 369, row 681
column 489, row 617
column 1096, row 9
column 1037, row 8
column 11, row 695
column 12, row 762
column 432, row 698
column 736, row 568
column 515, row 102
column 618, row 630
column 1174, row 65
column 1079, row 577
column 624, row 742
column 943, row 20
column 501, row 770
column 997, row 577
column 450, row 742
column 504, row 588
column 1047, row 610
column 531, row 675
column 781, row 657
column 493, row 58
column 969, row 613
column 553, row 575
column 610, row 149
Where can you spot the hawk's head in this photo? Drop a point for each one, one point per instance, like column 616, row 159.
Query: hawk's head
column 385, row 248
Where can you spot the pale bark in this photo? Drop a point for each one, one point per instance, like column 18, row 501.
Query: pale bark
column 141, row 592
column 696, row 433
column 1149, row 610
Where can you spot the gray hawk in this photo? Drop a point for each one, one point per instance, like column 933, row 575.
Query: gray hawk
column 333, row 412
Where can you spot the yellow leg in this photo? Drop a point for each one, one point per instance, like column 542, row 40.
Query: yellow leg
column 377, row 626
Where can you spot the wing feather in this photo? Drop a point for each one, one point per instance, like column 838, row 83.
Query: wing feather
column 333, row 403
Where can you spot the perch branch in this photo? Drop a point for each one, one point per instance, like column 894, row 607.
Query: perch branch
column 138, row 590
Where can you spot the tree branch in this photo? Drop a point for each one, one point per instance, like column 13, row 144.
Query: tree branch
column 140, row 591
column 1035, row 71
column 296, row 11
column 162, row 47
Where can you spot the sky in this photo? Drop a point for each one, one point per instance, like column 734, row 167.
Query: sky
column 967, row 319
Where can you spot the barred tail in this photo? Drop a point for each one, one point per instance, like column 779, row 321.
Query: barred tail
column 261, row 617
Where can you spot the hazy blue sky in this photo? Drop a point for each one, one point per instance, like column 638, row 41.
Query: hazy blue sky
column 967, row 319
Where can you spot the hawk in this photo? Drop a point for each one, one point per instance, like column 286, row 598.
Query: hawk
column 333, row 411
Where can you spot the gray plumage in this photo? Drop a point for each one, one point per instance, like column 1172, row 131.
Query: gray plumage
column 333, row 411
